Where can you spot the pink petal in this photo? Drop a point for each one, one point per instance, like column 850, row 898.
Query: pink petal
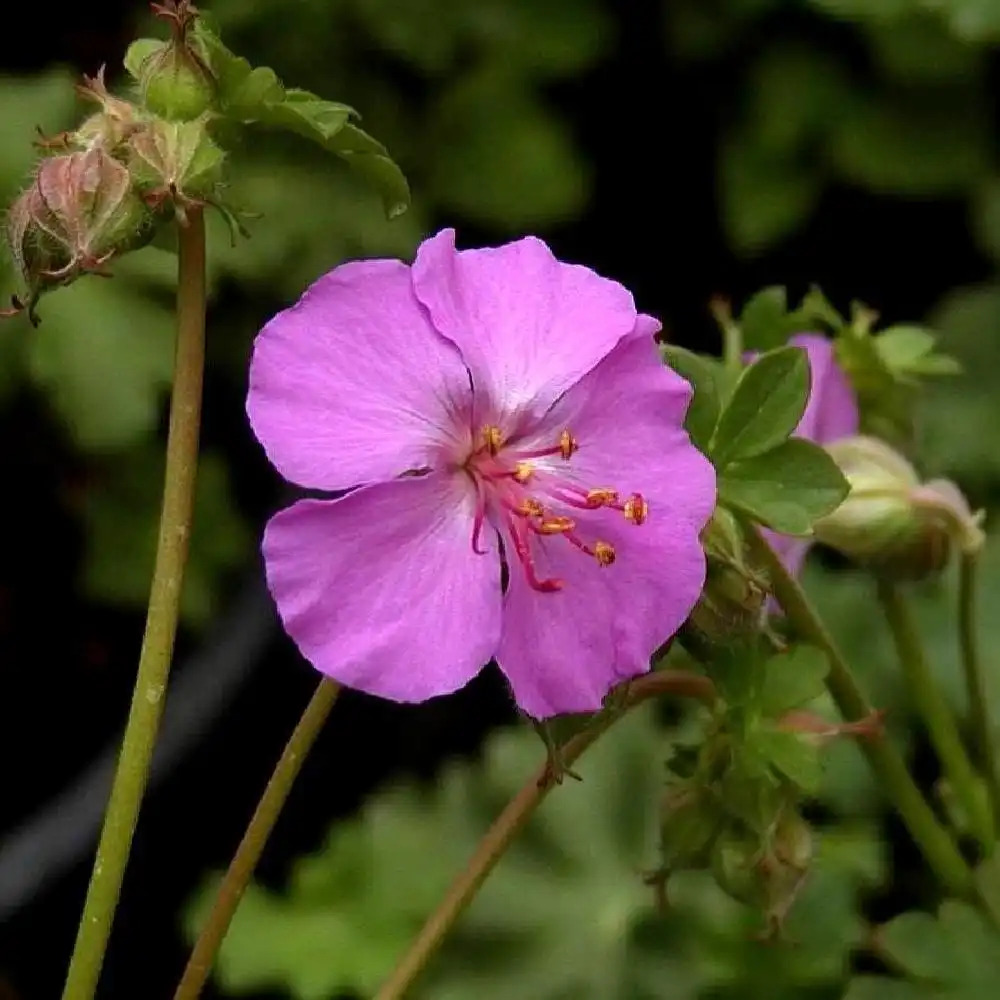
column 832, row 410
column 353, row 385
column 528, row 326
column 563, row 651
column 381, row 589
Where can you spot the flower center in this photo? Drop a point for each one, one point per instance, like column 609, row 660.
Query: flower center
column 531, row 499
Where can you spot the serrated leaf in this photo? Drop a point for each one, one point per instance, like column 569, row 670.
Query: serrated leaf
column 121, row 512
column 786, row 489
column 765, row 407
column 762, row 321
column 792, row 679
column 703, row 375
column 104, row 355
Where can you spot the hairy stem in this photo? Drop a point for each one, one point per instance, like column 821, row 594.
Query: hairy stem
column 935, row 713
column 161, row 620
column 975, row 682
column 251, row 847
column 510, row 822
column 933, row 839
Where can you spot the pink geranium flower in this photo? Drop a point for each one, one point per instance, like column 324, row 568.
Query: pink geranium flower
column 485, row 408
column 830, row 414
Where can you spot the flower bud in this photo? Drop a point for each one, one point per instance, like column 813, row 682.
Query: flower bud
column 732, row 600
column 110, row 126
column 175, row 81
column 175, row 162
column 78, row 213
column 766, row 875
column 890, row 522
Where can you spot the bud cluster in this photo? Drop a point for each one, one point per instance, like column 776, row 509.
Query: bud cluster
column 103, row 189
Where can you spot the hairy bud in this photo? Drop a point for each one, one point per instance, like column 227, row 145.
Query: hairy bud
column 175, row 81
column 890, row 521
column 78, row 213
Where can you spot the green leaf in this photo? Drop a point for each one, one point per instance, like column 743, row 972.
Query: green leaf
column 502, row 159
column 763, row 319
column 765, row 406
column 909, row 350
column 792, row 679
column 786, row 489
column 255, row 95
column 138, row 52
column 954, row 955
column 764, row 196
column 791, row 755
column 917, row 147
column 703, row 375
column 104, row 355
column 121, row 513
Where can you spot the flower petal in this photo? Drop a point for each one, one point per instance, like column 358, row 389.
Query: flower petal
column 381, row 589
column 832, row 410
column 353, row 385
column 563, row 651
column 528, row 326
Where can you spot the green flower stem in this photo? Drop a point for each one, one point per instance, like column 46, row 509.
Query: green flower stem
column 251, row 847
column 934, row 841
column 516, row 814
column 161, row 620
column 934, row 710
column 975, row 684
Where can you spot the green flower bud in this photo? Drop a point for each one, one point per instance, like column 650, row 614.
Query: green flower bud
column 890, row 522
column 732, row 600
column 689, row 823
column 175, row 162
column 175, row 81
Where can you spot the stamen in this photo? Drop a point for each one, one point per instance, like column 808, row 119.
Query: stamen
column 522, row 471
column 555, row 525
column 567, row 445
column 602, row 497
column 604, row 553
column 523, row 552
column 492, row 438
column 636, row 509
column 528, row 507
column 477, row 524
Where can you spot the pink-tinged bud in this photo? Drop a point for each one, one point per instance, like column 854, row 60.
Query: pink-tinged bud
column 175, row 81
column 175, row 163
column 110, row 126
column 79, row 212
column 890, row 521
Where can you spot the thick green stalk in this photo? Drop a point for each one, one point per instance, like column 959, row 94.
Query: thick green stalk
column 161, row 620
column 251, row 847
column 512, row 820
column 934, row 841
column 935, row 713
column 975, row 683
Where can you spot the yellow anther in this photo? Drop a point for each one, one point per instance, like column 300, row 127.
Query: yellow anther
column 530, row 507
column 555, row 525
column 604, row 553
column 492, row 438
column 601, row 497
column 522, row 471
column 567, row 444
column 636, row 509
